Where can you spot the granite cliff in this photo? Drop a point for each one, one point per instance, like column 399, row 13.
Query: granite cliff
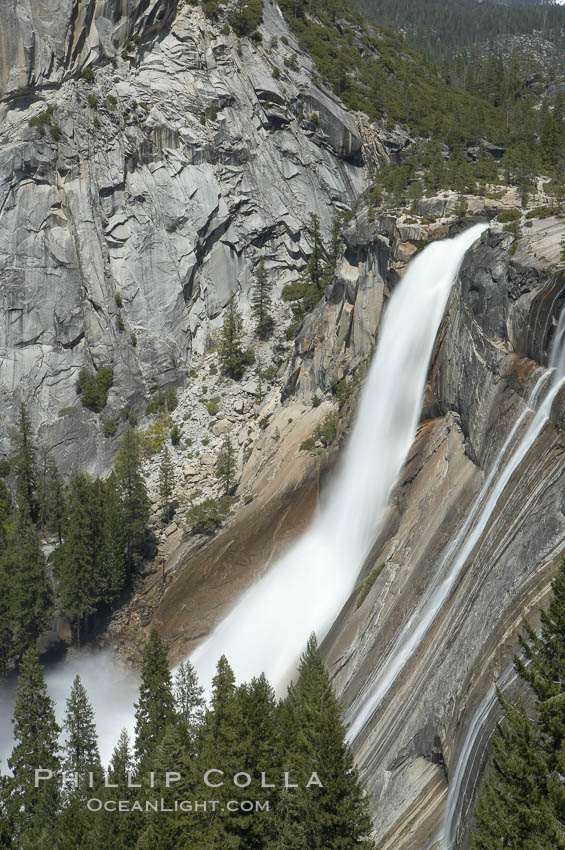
column 155, row 178
column 148, row 160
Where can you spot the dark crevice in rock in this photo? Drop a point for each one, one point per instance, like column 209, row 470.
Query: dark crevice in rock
column 73, row 342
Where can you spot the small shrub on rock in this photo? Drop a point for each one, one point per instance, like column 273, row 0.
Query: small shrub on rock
column 93, row 388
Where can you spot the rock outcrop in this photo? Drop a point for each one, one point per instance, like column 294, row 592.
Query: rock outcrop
column 491, row 350
column 135, row 205
column 496, row 333
column 41, row 44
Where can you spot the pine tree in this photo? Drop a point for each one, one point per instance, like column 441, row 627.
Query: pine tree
column 261, row 302
column 135, row 501
column 5, row 619
column 318, row 254
column 259, row 741
column 80, row 752
column 156, row 705
column 522, row 801
column 230, row 350
column 114, row 830
column 189, row 704
column 513, row 809
column 25, row 465
column 226, row 465
column 31, row 591
column 32, row 810
column 6, row 512
column 52, row 497
column 6, row 586
column 223, row 748
column 334, row 247
column 170, row 830
column 166, row 483
column 78, row 563
column 113, row 568
column 334, row 816
column 81, row 758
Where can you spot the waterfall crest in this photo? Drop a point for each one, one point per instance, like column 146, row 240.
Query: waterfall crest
column 305, row 590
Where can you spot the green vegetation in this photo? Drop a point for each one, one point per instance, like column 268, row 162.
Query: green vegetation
column 175, row 435
column 305, row 293
column 325, row 433
column 31, row 812
column 155, row 707
column 507, row 216
column 508, row 101
column 368, row 583
column 246, row 16
column 206, row 517
column 133, row 494
column 163, row 402
column 261, row 302
column 521, row 799
column 152, row 439
column 269, row 373
column 543, row 212
column 43, row 120
column 445, row 29
column 242, row 727
column 212, row 406
column 110, row 427
column 166, row 483
column 93, row 387
column 291, row 62
column 384, row 77
column 232, row 358
column 98, row 529
column 226, row 465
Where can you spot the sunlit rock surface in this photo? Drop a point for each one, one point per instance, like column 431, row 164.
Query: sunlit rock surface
column 161, row 182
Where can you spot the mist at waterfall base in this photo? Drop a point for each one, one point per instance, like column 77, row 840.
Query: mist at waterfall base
column 304, row 591
column 269, row 626
column 111, row 686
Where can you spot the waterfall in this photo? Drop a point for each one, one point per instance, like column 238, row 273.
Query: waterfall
column 460, row 549
column 305, row 590
column 468, row 761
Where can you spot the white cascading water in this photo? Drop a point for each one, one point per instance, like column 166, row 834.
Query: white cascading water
column 467, row 763
column 549, row 384
column 304, row 591
column 269, row 626
column 453, row 562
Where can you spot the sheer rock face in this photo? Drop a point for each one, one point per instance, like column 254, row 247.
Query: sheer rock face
column 41, row 44
column 156, row 186
column 497, row 331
